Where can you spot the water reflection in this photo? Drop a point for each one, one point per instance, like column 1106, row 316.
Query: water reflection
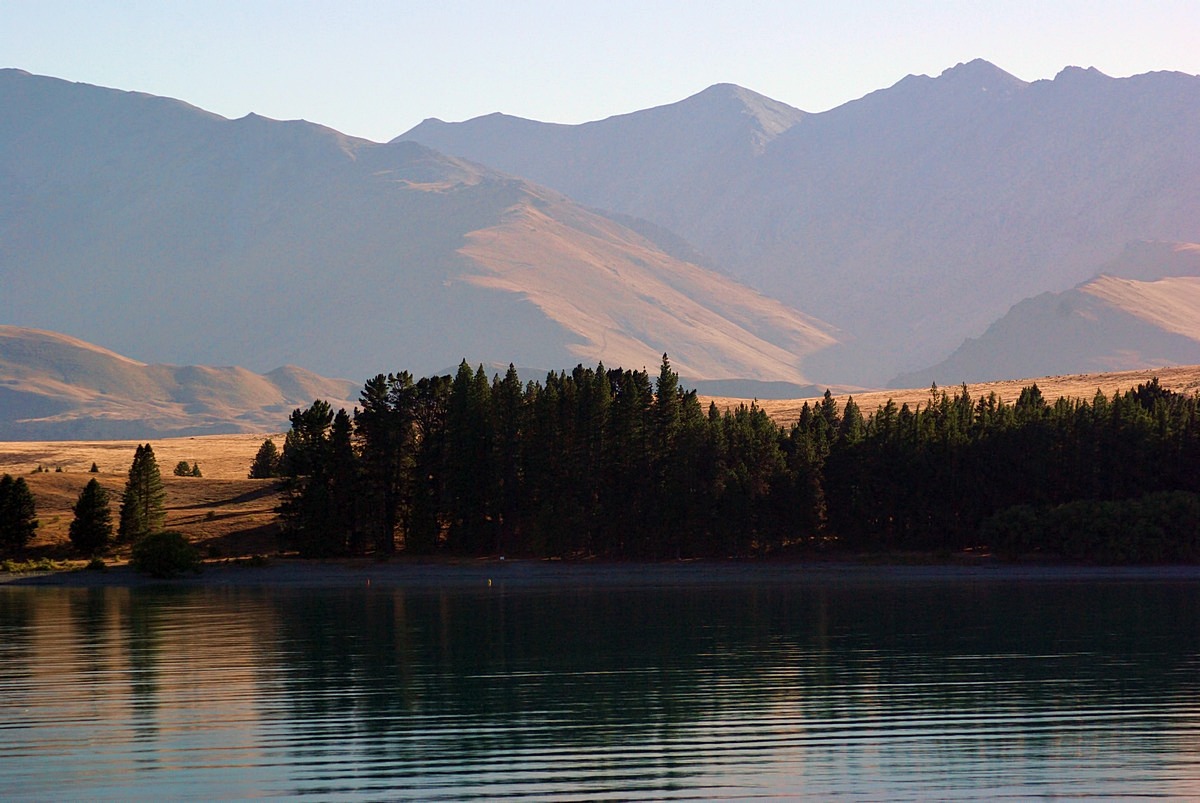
column 906, row 690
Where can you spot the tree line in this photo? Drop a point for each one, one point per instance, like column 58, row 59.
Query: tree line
column 612, row 463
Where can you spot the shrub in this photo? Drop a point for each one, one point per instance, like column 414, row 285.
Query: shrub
column 165, row 554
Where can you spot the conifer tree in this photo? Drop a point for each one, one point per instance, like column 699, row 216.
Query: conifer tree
column 18, row 513
column 266, row 461
column 143, row 508
column 91, row 529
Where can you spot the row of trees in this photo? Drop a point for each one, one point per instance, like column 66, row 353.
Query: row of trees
column 610, row 463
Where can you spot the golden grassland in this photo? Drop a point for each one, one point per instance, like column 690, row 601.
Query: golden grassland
column 1185, row 379
column 228, row 515
column 223, row 512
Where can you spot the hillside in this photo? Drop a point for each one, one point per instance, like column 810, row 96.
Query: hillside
column 1141, row 310
column 57, row 387
column 911, row 218
column 170, row 234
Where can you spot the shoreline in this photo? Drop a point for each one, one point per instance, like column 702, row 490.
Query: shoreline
column 494, row 573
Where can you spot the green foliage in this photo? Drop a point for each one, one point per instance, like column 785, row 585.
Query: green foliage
column 195, row 472
column 18, row 513
column 320, row 506
column 266, row 463
column 91, row 529
column 95, row 469
column 143, row 504
column 164, row 554
column 37, row 565
column 183, row 469
column 1155, row 528
column 607, row 462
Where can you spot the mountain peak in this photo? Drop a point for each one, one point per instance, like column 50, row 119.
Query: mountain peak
column 1078, row 74
column 982, row 74
column 771, row 117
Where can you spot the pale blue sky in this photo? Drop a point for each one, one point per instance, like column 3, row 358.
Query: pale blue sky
column 374, row 69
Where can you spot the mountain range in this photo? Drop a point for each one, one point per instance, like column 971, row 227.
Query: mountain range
column 911, row 218
column 943, row 228
column 174, row 235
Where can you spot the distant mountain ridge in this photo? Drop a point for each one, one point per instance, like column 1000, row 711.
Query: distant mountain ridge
column 1141, row 310
column 746, row 238
column 911, row 218
column 56, row 387
column 176, row 235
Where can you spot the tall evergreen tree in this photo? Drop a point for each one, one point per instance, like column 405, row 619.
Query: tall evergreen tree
column 320, row 492
column 266, row 461
column 18, row 513
column 470, row 476
column 385, row 426
column 91, row 529
column 143, row 505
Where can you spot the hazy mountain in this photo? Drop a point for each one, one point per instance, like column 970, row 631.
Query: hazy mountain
column 664, row 164
column 57, row 387
column 1142, row 310
column 175, row 235
column 911, row 218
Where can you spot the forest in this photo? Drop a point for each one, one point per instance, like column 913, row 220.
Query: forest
column 611, row 463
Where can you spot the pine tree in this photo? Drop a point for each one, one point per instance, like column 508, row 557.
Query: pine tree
column 18, row 513
column 266, row 461
column 143, row 508
column 182, row 469
column 195, row 472
column 91, row 528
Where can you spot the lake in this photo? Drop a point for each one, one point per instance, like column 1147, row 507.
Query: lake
column 867, row 688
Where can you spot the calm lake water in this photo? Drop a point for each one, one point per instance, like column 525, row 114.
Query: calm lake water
column 866, row 690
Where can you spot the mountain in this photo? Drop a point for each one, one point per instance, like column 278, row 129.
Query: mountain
column 911, row 218
column 56, row 387
column 1141, row 310
column 175, row 235
column 660, row 164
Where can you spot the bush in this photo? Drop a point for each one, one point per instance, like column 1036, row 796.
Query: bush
column 165, row 554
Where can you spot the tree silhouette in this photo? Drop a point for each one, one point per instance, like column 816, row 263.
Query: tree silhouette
column 18, row 513
column 143, row 504
column 91, row 529
column 266, row 461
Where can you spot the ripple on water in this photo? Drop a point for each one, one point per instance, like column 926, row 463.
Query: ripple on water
column 689, row 694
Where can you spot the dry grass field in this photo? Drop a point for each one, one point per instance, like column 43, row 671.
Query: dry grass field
column 222, row 512
column 1185, row 379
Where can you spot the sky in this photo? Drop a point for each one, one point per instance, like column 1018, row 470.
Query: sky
column 374, row 69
